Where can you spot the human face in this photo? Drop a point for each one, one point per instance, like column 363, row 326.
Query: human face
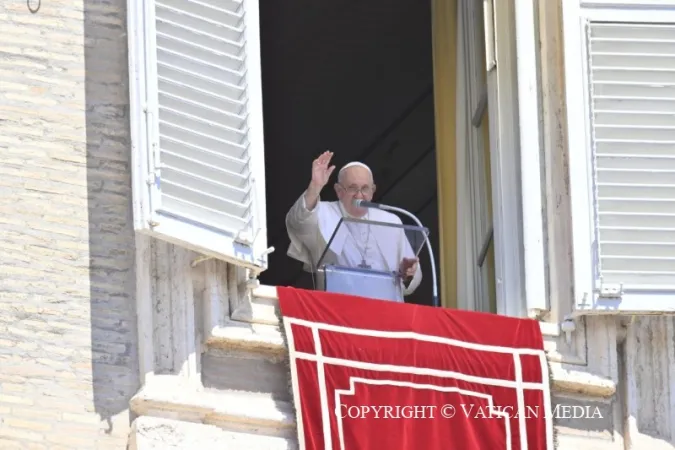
column 356, row 183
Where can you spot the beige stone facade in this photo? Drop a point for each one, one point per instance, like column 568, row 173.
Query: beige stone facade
column 68, row 353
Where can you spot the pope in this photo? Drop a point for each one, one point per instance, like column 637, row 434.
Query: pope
column 310, row 223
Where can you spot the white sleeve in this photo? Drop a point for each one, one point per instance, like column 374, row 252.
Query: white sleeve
column 302, row 226
column 407, row 252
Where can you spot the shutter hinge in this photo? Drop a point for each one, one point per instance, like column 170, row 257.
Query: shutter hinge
column 152, row 178
column 568, row 326
column 610, row 290
column 201, row 259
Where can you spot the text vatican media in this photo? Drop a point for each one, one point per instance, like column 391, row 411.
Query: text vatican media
column 463, row 410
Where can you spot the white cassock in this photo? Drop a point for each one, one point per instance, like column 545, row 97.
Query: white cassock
column 381, row 248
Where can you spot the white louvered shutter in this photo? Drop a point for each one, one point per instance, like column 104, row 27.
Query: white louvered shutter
column 199, row 157
column 625, row 240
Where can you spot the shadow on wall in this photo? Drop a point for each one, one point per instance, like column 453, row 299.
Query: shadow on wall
column 111, row 237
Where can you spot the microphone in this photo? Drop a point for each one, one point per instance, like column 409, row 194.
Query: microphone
column 364, row 204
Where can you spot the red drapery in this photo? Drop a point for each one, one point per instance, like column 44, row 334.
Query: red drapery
column 372, row 374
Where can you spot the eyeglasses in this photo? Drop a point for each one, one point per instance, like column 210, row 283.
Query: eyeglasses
column 354, row 190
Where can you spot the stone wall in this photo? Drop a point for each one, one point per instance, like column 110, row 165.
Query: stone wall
column 68, row 357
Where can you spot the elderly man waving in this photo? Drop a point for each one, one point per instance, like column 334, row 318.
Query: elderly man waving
column 310, row 223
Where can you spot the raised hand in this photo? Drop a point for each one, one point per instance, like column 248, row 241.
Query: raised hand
column 322, row 170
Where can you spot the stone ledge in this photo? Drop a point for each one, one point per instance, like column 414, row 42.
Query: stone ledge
column 263, row 308
column 577, row 382
column 251, row 337
column 172, row 397
column 152, row 433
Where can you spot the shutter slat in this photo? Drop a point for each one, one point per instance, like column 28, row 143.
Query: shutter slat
column 214, row 65
column 635, row 133
column 637, row 206
column 201, row 38
column 612, row 219
column 632, row 47
column 647, row 59
column 660, row 265
column 204, row 49
column 625, row 234
column 618, row 105
column 636, row 162
column 644, row 148
column 226, row 5
column 215, row 171
column 196, row 108
column 237, row 196
column 218, row 103
column 632, row 69
column 635, row 119
column 200, row 83
column 200, row 214
column 231, row 16
column 643, row 92
column 182, row 133
column 223, row 58
column 635, row 191
column 214, row 156
column 636, row 249
column 621, row 75
column 229, row 128
column 209, row 27
column 618, row 177
column 635, row 31
column 200, row 198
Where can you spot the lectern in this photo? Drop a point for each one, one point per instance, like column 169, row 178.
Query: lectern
column 363, row 279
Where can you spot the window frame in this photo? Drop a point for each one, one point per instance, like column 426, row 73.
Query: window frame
column 501, row 66
column 531, row 154
column 575, row 14
column 504, row 134
column 474, row 219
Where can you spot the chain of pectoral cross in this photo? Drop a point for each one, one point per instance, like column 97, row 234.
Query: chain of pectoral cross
column 364, row 264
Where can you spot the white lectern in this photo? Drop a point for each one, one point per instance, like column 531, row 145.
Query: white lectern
column 364, row 281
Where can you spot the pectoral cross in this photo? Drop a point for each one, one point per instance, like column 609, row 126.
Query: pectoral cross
column 363, row 264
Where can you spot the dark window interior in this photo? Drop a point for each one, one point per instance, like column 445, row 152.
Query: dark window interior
column 354, row 77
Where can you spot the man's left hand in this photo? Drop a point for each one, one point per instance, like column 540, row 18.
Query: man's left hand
column 408, row 267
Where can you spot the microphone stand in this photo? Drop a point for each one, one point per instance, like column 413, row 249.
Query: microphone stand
column 365, row 204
